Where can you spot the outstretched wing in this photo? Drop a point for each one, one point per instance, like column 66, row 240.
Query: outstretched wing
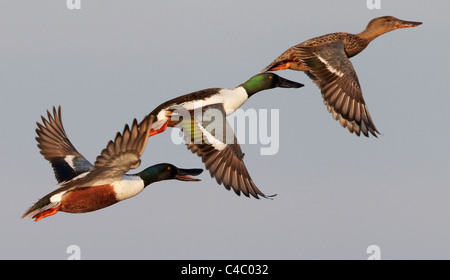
column 208, row 134
column 56, row 147
column 332, row 71
column 120, row 155
column 116, row 159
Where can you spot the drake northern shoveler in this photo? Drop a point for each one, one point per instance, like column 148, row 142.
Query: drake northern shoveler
column 214, row 141
column 325, row 59
column 84, row 187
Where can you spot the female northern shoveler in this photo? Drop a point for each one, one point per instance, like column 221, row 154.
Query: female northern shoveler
column 325, row 59
column 214, row 141
column 85, row 187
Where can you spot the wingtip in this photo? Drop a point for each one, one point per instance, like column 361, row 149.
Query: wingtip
column 260, row 195
column 270, row 197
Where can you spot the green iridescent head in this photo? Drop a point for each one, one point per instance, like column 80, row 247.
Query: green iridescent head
column 267, row 80
column 167, row 171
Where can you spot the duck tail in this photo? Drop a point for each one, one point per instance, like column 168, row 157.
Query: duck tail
column 277, row 65
column 267, row 68
column 43, row 208
column 271, row 67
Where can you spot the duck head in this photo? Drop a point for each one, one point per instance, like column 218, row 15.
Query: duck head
column 381, row 25
column 267, row 80
column 167, row 171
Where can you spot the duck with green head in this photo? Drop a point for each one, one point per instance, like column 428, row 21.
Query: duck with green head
column 84, row 187
column 325, row 59
column 224, row 159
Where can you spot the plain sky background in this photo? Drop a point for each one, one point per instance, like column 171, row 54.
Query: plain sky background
column 338, row 193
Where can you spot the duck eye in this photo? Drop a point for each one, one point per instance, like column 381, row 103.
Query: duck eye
column 168, row 168
column 270, row 77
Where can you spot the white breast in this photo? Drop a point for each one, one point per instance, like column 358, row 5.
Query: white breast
column 233, row 99
column 128, row 187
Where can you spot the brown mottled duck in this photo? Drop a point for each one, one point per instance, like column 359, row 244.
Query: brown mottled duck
column 325, row 59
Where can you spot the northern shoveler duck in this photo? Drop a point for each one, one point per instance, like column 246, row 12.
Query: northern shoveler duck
column 325, row 59
column 214, row 141
column 84, row 187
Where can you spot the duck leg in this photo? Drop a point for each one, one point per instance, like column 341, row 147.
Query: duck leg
column 46, row 213
column 159, row 130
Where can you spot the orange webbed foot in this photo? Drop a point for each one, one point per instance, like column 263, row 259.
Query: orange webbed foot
column 46, row 213
column 157, row 131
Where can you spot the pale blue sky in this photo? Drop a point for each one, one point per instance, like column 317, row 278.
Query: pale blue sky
column 112, row 61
